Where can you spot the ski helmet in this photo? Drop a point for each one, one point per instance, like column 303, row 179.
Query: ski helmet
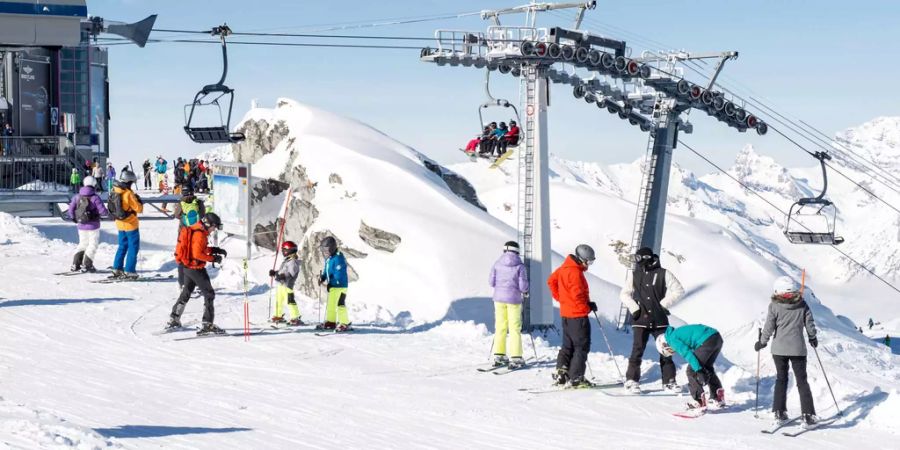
column 128, row 177
column 89, row 181
column 785, row 285
column 288, row 248
column 643, row 254
column 585, row 253
column 662, row 346
column 187, row 190
column 329, row 245
column 211, row 220
column 511, row 246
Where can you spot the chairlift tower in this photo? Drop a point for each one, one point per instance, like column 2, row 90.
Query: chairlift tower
column 649, row 92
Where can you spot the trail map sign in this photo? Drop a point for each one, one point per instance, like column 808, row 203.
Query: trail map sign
column 231, row 190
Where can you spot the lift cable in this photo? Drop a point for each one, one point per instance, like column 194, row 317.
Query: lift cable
column 745, row 186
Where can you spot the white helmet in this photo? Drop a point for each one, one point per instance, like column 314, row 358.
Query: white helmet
column 662, row 346
column 785, row 285
column 89, row 181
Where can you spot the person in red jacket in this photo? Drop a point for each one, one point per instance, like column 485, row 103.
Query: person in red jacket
column 511, row 138
column 569, row 287
column 193, row 252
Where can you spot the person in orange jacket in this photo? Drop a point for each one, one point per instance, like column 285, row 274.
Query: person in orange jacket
column 569, row 287
column 124, row 205
column 193, row 252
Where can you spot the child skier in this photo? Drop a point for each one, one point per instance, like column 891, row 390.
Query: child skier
column 569, row 287
column 286, row 276
column 193, row 252
column 510, row 281
column 75, row 180
column 85, row 209
column 334, row 276
column 699, row 345
column 788, row 316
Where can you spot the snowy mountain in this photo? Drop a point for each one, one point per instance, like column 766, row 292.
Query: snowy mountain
column 420, row 239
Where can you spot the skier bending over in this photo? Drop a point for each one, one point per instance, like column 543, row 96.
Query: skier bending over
column 286, row 276
column 788, row 316
column 510, row 282
column 334, row 276
column 193, row 252
column 569, row 287
column 699, row 345
column 648, row 293
column 85, row 209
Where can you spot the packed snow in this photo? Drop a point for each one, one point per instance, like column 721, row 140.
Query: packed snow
column 76, row 352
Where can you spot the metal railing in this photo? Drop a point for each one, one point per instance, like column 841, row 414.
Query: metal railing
column 35, row 164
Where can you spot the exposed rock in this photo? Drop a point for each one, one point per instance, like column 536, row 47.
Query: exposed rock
column 378, row 239
column 457, row 184
column 335, row 179
column 261, row 139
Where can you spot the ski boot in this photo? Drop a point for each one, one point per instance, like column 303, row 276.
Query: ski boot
column 277, row 319
column 209, row 328
column 809, row 421
column 698, row 403
column 561, row 377
column 76, row 262
column 633, row 387
column 780, row 417
column 516, row 363
column 342, row 328
column 326, row 326
column 117, row 274
column 296, row 322
column 719, row 400
column 130, row 276
column 581, row 383
column 88, row 266
column 500, row 361
column 173, row 324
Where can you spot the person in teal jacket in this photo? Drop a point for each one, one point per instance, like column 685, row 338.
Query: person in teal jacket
column 699, row 345
column 334, row 277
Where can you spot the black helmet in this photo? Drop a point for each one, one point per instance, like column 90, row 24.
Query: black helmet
column 512, row 123
column 511, row 246
column 211, row 220
column 187, row 190
column 643, row 254
column 329, row 245
column 502, row 124
column 585, row 253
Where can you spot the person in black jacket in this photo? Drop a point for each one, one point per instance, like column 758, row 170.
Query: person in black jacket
column 648, row 293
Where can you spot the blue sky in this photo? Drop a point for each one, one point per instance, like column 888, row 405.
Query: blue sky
column 822, row 61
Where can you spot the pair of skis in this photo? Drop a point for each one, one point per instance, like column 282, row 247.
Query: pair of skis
column 797, row 432
column 568, row 388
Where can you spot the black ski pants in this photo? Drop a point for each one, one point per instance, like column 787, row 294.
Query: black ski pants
column 641, row 336
column 196, row 278
column 798, row 363
column 575, row 346
column 706, row 355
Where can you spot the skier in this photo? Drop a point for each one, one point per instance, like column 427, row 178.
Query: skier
column 188, row 212
column 788, row 316
column 148, row 181
column 193, row 252
column 569, row 287
column 887, row 340
column 97, row 173
column 286, row 276
column 124, row 205
column 161, row 168
column 334, row 276
column 510, row 282
column 871, row 323
column 85, row 209
column 648, row 293
column 499, row 135
column 75, row 180
column 699, row 345
column 110, row 177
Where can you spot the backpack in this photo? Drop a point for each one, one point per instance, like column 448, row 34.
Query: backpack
column 85, row 212
column 190, row 213
column 114, row 205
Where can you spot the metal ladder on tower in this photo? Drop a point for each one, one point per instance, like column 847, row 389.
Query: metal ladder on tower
column 526, row 171
column 648, row 169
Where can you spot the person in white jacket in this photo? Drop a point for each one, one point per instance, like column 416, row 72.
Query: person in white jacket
column 648, row 293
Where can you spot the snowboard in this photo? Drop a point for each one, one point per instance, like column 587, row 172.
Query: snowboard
column 502, row 158
column 473, row 156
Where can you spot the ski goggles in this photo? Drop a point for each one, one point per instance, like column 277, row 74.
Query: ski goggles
column 639, row 258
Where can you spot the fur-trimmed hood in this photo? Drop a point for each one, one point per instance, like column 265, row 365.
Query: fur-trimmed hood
column 790, row 302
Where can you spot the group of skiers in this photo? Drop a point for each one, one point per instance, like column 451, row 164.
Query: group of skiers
column 194, row 173
column 494, row 139
column 648, row 293
column 104, row 179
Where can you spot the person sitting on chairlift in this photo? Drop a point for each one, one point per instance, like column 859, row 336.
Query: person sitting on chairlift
column 486, row 144
column 497, row 138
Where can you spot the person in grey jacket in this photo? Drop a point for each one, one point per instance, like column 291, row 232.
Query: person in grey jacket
column 648, row 293
column 286, row 276
column 788, row 316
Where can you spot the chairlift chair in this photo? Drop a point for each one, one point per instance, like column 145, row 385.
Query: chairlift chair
column 812, row 220
column 212, row 95
column 495, row 102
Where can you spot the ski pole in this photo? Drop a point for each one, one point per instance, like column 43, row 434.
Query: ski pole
column 609, row 347
column 533, row 347
column 756, row 407
column 840, row 413
column 319, row 304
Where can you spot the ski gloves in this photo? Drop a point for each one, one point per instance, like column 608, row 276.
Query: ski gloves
column 278, row 276
column 814, row 342
column 636, row 315
column 218, row 254
column 758, row 346
column 592, row 306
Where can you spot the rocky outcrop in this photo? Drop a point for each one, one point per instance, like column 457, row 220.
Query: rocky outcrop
column 378, row 239
column 261, row 139
column 312, row 262
column 457, row 184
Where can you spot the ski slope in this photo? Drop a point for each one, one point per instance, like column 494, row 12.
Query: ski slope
column 84, row 366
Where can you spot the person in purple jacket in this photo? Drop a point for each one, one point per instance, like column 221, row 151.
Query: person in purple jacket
column 85, row 209
column 510, row 282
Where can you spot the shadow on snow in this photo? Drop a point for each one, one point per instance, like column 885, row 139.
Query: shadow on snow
column 149, row 431
column 59, row 301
